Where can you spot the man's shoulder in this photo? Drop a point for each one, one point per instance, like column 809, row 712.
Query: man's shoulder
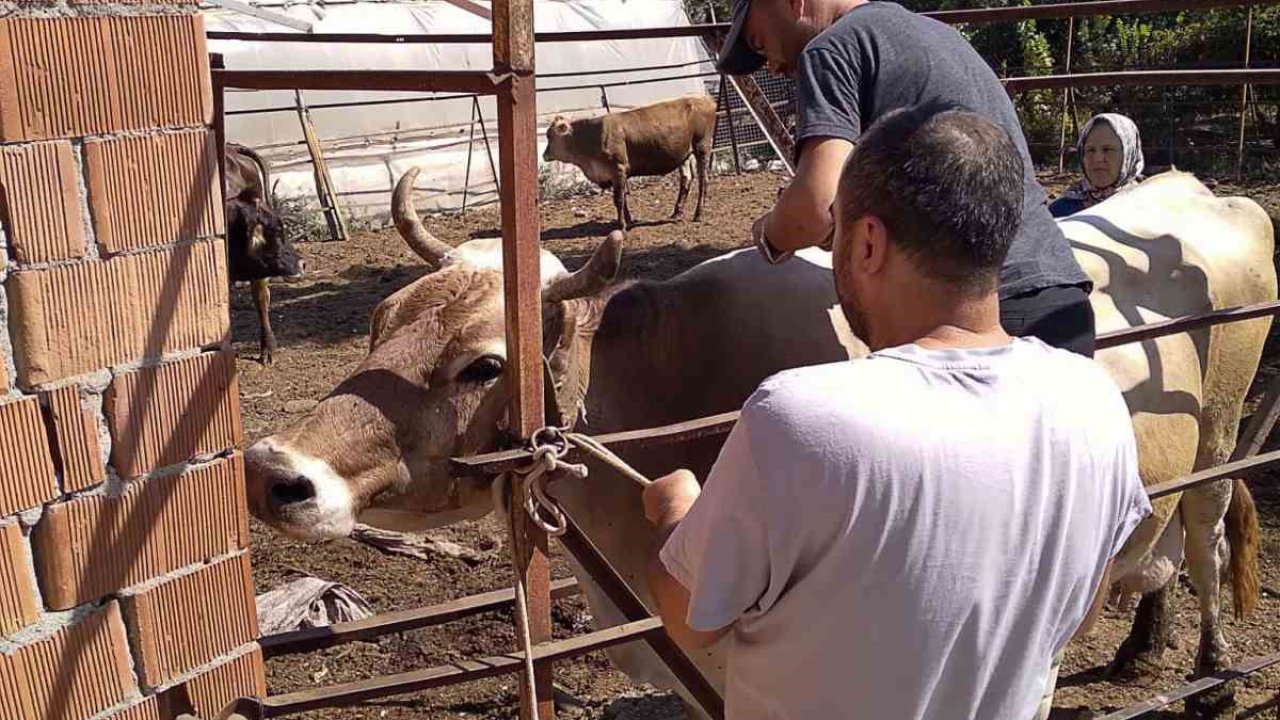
column 865, row 20
column 803, row 393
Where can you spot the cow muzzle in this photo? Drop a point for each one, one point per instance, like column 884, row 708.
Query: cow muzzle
column 298, row 495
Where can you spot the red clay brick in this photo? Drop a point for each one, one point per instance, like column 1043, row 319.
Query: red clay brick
column 188, row 622
column 166, row 181
column 147, row 709
column 79, row 672
column 91, row 546
column 40, row 202
column 65, row 77
column 168, row 414
column 73, row 319
column 75, row 436
column 27, row 478
column 19, row 606
column 211, row 692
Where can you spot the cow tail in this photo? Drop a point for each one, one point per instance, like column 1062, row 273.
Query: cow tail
column 1243, row 538
column 262, row 168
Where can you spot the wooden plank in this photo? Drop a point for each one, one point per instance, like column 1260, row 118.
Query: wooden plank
column 1185, row 324
column 459, row 81
column 502, row 461
column 274, row 16
column 312, row 639
column 1195, row 687
column 320, row 169
column 513, row 58
column 455, row 673
column 1238, row 469
column 1148, row 78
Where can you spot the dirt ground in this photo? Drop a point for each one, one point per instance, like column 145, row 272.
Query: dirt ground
column 322, row 321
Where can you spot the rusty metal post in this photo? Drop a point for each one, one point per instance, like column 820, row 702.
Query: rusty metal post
column 216, row 62
column 727, row 104
column 1066, row 97
column 1244, row 94
column 513, row 56
column 488, row 149
column 604, row 99
column 471, row 139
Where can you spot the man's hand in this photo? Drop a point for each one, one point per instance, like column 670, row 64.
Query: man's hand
column 668, row 499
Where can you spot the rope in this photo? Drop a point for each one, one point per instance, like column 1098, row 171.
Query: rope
column 592, row 447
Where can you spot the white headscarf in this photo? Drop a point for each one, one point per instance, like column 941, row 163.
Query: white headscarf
column 1131, row 165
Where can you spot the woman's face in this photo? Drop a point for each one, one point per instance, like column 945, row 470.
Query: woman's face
column 1103, row 155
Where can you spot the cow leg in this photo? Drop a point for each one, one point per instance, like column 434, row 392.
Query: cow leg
column 686, row 178
column 620, row 197
column 1203, row 510
column 1155, row 578
column 266, row 338
column 1141, row 654
column 702, row 159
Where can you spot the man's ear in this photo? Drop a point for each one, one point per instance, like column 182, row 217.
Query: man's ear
column 870, row 244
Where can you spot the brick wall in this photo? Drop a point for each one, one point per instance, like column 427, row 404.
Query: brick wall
column 124, row 572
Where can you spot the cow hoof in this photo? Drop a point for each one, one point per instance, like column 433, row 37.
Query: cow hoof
column 677, row 215
column 268, row 356
column 1215, row 704
column 1131, row 665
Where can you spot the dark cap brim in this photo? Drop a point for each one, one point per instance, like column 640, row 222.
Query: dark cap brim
column 737, row 57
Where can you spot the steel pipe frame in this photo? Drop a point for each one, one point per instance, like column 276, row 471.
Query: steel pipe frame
column 975, row 16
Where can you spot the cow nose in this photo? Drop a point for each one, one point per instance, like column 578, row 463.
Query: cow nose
column 290, row 490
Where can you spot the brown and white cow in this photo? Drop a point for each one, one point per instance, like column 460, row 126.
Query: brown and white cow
column 650, row 353
column 257, row 247
column 651, row 140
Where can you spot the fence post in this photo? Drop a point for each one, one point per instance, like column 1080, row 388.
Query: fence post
column 471, row 138
column 216, row 62
column 488, row 149
column 604, row 99
column 1066, row 95
column 513, row 56
column 727, row 103
column 1244, row 94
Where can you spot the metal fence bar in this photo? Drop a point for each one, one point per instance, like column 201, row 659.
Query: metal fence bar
column 1152, row 78
column 1195, row 687
column 981, row 15
column 455, row 673
column 458, row 81
column 319, row 638
column 1190, row 322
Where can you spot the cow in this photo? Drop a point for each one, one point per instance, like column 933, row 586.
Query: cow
column 643, row 354
column 257, row 246
column 651, row 140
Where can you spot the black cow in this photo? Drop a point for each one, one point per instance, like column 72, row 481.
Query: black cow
column 257, row 248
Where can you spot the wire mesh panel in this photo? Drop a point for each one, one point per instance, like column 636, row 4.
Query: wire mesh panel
column 751, row 140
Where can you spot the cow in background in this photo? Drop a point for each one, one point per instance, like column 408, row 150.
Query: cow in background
column 651, row 140
column 257, row 248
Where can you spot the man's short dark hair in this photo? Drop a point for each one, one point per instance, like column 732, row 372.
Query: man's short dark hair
column 948, row 185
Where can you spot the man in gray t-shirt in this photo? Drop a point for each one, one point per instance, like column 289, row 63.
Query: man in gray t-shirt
column 856, row 61
column 914, row 535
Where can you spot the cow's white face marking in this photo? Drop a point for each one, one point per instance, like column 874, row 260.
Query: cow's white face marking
column 486, row 254
column 330, row 513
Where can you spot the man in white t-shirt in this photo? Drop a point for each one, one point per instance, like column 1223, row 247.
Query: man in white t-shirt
column 916, row 534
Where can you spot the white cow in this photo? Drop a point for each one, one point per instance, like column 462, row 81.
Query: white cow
column 645, row 354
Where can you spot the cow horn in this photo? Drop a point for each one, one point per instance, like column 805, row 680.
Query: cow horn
column 592, row 277
column 415, row 234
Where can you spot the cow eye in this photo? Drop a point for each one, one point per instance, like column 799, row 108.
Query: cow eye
column 483, row 370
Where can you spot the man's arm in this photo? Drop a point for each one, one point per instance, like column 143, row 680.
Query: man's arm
column 1099, row 599
column 802, row 215
column 666, row 502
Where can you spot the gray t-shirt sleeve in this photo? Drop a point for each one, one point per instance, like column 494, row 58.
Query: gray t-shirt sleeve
column 720, row 552
column 827, row 93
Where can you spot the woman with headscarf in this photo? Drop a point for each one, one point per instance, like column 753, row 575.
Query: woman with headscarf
column 1110, row 151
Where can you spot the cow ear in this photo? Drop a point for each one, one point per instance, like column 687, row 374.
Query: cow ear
column 562, row 127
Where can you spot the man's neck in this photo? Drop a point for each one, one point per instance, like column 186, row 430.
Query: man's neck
column 968, row 323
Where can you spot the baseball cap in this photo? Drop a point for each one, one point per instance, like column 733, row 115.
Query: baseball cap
column 737, row 57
